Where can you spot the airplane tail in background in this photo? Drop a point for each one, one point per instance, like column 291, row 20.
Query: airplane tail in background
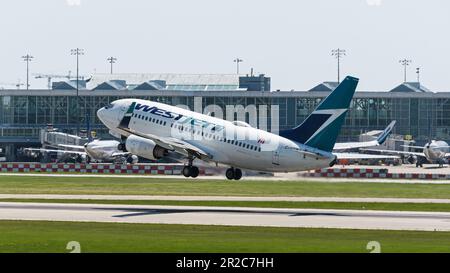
column 321, row 128
column 385, row 134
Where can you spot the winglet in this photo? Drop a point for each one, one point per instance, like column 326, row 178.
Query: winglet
column 125, row 122
column 384, row 135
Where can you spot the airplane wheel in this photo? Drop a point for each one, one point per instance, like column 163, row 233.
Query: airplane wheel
column 237, row 174
column 194, row 172
column 79, row 159
column 230, row 174
column 121, row 147
column 186, row 171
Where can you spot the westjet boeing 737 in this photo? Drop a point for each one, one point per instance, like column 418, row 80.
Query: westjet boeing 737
column 152, row 130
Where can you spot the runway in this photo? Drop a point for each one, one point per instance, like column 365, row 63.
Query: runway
column 314, row 218
column 224, row 198
column 277, row 177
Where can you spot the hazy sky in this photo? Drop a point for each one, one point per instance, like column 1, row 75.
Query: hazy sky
column 289, row 40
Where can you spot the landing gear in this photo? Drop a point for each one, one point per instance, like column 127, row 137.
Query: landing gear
column 189, row 170
column 121, row 147
column 419, row 162
column 233, row 173
column 79, row 159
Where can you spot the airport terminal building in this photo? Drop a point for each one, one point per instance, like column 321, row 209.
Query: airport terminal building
column 419, row 112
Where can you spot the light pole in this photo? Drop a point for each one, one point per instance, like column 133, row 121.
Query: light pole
column 28, row 58
column 112, row 61
column 418, row 74
column 338, row 53
column 237, row 61
column 77, row 52
column 405, row 63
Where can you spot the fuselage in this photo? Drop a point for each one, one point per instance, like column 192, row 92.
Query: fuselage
column 436, row 150
column 102, row 149
column 231, row 143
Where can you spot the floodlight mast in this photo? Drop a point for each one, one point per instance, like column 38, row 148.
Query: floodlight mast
column 338, row 53
column 112, row 60
column 28, row 58
column 237, row 61
column 77, row 52
column 405, row 62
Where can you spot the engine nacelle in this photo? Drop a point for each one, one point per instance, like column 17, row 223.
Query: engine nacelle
column 144, row 147
column 412, row 159
column 132, row 159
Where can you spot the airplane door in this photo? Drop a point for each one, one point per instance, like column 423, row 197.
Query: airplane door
column 276, row 157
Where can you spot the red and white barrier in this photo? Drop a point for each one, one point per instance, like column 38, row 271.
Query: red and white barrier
column 372, row 173
column 162, row 169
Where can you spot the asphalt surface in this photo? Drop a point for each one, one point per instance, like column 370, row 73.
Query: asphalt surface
column 277, row 177
column 317, row 218
column 223, row 198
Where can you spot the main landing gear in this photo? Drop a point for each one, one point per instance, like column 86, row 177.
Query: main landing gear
column 189, row 170
column 233, row 173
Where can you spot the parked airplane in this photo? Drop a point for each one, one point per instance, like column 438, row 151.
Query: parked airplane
column 434, row 152
column 155, row 129
column 365, row 144
column 96, row 150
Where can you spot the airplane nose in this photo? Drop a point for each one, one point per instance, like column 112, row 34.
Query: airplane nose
column 101, row 114
column 109, row 115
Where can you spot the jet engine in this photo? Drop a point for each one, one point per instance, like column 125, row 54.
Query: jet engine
column 144, row 147
column 412, row 159
column 132, row 159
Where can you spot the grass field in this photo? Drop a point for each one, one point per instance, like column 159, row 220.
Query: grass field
column 17, row 236
column 258, row 204
column 145, row 186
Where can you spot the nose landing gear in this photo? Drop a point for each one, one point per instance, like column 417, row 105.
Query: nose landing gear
column 233, row 173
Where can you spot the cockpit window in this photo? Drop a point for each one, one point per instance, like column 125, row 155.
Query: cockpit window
column 109, row 106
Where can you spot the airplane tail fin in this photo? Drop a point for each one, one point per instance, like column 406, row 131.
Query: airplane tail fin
column 384, row 135
column 321, row 128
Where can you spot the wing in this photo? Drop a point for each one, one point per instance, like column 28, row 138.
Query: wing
column 354, row 145
column 54, row 151
column 363, row 156
column 71, row 146
column 380, row 140
column 413, row 147
column 173, row 144
column 120, row 154
column 395, row 152
column 169, row 143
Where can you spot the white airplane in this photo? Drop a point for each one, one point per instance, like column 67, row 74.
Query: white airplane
column 155, row 129
column 434, row 151
column 366, row 144
column 96, row 150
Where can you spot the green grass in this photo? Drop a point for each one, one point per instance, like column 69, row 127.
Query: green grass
column 257, row 204
column 146, row 186
column 40, row 236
